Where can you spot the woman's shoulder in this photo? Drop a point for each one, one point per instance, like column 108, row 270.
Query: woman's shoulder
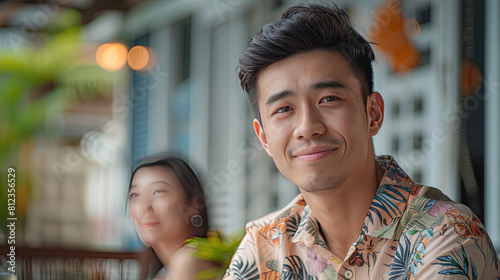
column 184, row 265
column 184, row 258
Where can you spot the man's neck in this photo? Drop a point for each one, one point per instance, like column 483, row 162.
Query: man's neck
column 341, row 211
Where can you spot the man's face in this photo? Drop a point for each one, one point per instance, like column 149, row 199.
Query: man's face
column 314, row 122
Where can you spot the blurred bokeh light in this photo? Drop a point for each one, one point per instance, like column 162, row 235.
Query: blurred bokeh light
column 111, row 56
column 138, row 57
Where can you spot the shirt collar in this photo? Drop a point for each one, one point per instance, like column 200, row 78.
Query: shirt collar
column 308, row 228
column 390, row 200
column 386, row 209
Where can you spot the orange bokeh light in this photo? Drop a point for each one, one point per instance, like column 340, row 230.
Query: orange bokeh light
column 138, row 57
column 111, row 56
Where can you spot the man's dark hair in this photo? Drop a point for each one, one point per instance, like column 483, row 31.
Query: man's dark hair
column 299, row 29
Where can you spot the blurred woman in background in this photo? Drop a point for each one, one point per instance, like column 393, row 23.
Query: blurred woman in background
column 167, row 205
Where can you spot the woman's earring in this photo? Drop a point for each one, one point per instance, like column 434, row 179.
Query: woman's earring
column 196, row 220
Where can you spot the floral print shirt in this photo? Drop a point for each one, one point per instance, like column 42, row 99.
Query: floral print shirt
column 411, row 232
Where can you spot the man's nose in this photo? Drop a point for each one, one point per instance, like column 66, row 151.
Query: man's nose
column 309, row 123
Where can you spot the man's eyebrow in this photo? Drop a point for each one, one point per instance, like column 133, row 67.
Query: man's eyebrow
column 277, row 96
column 319, row 85
column 327, row 84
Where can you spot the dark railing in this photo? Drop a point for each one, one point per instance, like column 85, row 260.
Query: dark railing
column 32, row 264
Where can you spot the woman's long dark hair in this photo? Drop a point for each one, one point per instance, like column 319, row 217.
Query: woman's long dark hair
column 187, row 177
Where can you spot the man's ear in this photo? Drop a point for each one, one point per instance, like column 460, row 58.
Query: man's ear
column 375, row 112
column 259, row 131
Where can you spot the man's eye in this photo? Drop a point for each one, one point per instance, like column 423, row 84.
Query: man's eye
column 328, row 99
column 283, row 109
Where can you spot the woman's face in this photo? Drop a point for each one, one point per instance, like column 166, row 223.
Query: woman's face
column 159, row 207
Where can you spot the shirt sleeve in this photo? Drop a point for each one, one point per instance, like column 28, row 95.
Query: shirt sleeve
column 458, row 250
column 244, row 265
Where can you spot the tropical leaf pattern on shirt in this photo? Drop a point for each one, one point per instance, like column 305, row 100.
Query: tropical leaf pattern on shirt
column 308, row 223
column 294, row 269
column 398, row 269
column 292, row 225
column 458, row 264
column 241, row 268
column 417, row 217
column 410, row 231
column 384, row 203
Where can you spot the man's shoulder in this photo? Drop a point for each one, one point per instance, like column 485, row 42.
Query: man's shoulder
column 429, row 192
column 422, row 199
column 437, row 209
column 431, row 196
column 296, row 206
column 431, row 213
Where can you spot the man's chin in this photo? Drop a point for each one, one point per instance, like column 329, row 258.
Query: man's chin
column 318, row 183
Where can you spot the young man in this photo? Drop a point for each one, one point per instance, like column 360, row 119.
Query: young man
column 309, row 79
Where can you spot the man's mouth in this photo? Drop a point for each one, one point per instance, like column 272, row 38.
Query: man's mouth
column 314, row 153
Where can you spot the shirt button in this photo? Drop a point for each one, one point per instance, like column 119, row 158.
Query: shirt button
column 348, row 274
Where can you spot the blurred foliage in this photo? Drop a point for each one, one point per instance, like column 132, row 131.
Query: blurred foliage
column 215, row 248
column 46, row 75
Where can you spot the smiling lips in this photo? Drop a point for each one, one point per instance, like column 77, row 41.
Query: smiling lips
column 149, row 224
column 315, row 153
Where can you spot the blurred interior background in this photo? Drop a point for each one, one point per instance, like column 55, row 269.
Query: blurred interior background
column 87, row 87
